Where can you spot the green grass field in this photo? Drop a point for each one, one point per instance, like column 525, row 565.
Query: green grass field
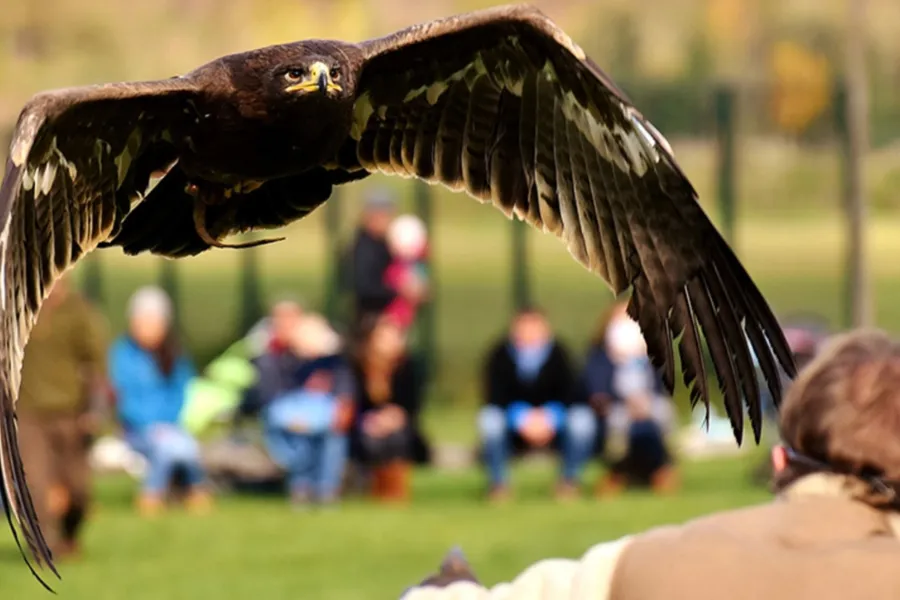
column 253, row 548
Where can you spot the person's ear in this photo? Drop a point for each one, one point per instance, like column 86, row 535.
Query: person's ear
column 779, row 459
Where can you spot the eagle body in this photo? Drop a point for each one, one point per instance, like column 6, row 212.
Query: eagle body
column 499, row 104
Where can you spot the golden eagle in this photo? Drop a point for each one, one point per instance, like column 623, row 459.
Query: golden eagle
column 499, row 103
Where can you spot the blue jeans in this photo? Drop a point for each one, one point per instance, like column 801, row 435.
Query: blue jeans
column 166, row 448
column 577, row 436
column 313, row 462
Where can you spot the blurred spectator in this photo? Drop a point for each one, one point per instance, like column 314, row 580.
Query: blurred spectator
column 805, row 336
column 277, row 364
column 64, row 366
column 284, row 318
column 370, row 259
column 151, row 374
column 408, row 243
column 306, row 422
column 528, row 402
column 389, row 396
column 625, row 390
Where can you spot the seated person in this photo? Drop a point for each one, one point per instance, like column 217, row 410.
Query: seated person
column 150, row 375
column 306, row 423
column 276, row 364
column 389, row 396
column 528, row 402
column 623, row 387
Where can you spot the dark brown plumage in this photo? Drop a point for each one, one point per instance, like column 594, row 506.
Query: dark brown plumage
column 499, row 103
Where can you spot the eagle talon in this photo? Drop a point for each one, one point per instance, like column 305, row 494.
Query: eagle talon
column 203, row 232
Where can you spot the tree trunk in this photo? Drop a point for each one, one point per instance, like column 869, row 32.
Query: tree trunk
column 859, row 291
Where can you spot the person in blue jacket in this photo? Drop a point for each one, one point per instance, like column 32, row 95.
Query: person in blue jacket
column 150, row 375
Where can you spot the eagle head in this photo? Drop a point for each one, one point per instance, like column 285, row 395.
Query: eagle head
column 318, row 75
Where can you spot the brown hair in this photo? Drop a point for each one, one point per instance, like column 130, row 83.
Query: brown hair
column 377, row 371
column 843, row 410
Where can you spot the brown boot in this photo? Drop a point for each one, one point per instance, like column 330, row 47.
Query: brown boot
column 150, row 505
column 379, row 482
column 69, row 550
column 610, row 485
column 567, row 491
column 198, row 501
column 665, row 480
column 499, row 494
column 397, row 476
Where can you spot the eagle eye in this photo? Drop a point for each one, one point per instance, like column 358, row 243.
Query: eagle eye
column 335, row 73
column 294, row 74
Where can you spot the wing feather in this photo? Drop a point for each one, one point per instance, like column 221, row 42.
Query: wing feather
column 510, row 110
column 65, row 189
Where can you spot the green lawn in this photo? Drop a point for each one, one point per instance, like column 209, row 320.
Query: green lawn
column 259, row 548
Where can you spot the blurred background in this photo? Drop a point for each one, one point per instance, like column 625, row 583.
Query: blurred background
column 752, row 95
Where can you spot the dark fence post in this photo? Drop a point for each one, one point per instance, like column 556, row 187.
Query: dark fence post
column 168, row 280
column 251, row 285
column 726, row 125
column 92, row 284
column 842, row 129
column 427, row 314
column 521, row 288
column 335, row 271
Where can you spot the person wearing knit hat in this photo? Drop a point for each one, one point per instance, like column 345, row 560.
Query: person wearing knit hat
column 369, row 258
column 150, row 301
column 150, row 375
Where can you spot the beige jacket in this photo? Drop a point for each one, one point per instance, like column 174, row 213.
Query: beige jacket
column 812, row 542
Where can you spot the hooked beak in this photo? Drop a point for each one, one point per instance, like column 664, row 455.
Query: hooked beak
column 318, row 79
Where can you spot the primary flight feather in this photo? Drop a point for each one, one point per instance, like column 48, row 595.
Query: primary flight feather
column 498, row 103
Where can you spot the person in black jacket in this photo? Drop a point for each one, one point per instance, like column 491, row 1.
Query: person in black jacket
column 369, row 260
column 528, row 392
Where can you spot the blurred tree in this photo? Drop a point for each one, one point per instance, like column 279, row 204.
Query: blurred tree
column 801, row 85
column 701, row 62
column 859, row 291
column 622, row 63
column 727, row 25
column 252, row 309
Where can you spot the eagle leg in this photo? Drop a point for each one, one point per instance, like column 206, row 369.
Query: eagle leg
column 204, row 197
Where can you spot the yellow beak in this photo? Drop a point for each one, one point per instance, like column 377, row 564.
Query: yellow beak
column 318, row 80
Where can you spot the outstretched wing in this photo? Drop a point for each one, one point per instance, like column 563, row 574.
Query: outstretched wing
column 78, row 159
column 502, row 104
